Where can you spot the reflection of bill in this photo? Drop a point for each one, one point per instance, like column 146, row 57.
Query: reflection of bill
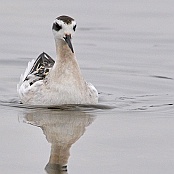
column 62, row 129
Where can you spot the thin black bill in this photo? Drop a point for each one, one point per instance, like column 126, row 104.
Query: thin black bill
column 68, row 41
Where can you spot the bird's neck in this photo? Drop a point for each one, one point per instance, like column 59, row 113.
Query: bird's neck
column 63, row 51
column 66, row 63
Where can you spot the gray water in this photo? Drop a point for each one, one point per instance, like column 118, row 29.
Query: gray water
column 126, row 49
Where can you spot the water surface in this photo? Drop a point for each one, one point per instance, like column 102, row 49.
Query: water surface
column 126, row 50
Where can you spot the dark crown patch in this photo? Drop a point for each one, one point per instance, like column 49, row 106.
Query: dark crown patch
column 65, row 19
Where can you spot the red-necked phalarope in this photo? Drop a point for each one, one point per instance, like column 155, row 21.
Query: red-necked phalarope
column 49, row 82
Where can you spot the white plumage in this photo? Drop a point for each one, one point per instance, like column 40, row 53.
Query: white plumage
column 49, row 82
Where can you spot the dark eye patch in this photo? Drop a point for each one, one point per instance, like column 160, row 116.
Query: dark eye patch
column 74, row 28
column 56, row 26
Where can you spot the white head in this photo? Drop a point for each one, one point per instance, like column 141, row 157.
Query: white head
column 63, row 28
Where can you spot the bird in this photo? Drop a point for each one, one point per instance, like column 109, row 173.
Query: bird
column 57, row 82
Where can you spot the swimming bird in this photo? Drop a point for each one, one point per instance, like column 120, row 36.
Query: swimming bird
column 49, row 82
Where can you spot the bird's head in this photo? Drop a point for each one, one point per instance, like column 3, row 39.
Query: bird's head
column 64, row 28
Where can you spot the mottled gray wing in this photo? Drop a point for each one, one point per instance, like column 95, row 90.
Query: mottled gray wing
column 41, row 66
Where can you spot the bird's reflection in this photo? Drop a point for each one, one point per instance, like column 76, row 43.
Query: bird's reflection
column 62, row 129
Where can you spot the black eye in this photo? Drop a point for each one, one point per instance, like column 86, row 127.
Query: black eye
column 56, row 26
column 74, row 28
